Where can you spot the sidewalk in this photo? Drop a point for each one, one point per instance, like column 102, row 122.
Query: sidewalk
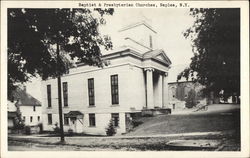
column 127, row 143
column 213, row 108
column 123, row 136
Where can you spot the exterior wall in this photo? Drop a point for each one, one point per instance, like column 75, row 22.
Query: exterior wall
column 27, row 112
column 11, row 106
column 131, row 87
column 10, row 122
column 140, row 34
column 131, row 96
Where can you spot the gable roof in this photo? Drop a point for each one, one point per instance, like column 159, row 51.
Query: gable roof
column 157, row 54
column 24, row 98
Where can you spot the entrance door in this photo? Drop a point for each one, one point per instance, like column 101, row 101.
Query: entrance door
column 73, row 124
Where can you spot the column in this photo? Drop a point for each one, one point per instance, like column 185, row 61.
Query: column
column 160, row 91
column 165, row 90
column 150, row 91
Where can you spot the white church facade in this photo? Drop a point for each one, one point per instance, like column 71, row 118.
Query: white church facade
column 135, row 79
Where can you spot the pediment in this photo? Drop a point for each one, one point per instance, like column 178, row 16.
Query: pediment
column 161, row 56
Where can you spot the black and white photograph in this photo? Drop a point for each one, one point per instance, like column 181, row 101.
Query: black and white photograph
column 125, row 76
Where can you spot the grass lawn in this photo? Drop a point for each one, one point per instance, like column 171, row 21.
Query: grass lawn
column 171, row 124
column 228, row 122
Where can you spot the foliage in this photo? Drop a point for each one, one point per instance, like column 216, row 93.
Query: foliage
column 215, row 37
column 56, row 129
column 33, row 35
column 70, row 131
column 110, row 130
column 27, row 130
column 191, row 99
column 18, row 121
column 136, row 123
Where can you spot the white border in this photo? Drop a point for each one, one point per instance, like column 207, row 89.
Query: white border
column 244, row 5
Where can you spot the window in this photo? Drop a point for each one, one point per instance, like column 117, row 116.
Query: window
column 50, row 119
column 114, row 89
column 115, row 119
column 31, row 118
column 49, row 95
column 38, row 118
column 91, row 92
column 34, row 108
column 150, row 41
column 65, row 93
column 92, row 120
column 24, row 119
column 66, row 120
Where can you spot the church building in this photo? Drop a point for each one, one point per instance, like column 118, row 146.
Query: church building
column 135, row 80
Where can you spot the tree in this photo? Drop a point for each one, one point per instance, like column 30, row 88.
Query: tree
column 33, row 35
column 191, row 99
column 111, row 130
column 215, row 37
column 40, row 42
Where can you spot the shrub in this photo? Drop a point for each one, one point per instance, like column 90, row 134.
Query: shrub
column 27, row 130
column 136, row 123
column 56, row 129
column 110, row 130
column 70, row 131
column 191, row 99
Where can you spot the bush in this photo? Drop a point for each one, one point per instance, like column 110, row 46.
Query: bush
column 70, row 131
column 27, row 130
column 136, row 123
column 191, row 99
column 110, row 130
column 56, row 129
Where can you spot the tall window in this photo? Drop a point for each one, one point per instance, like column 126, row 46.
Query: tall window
column 115, row 119
column 66, row 120
column 38, row 118
column 150, row 41
column 65, row 93
column 92, row 120
column 114, row 89
column 31, row 118
column 49, row 95
column 91, row 92
column 34, row 108
column 50, row 119
column 23, row 118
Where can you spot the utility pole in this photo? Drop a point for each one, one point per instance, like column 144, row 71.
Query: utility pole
column 59, row 94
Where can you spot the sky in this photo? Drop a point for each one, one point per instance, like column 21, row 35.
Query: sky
column 168, row 23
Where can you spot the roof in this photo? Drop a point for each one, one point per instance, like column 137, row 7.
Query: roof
column 158, row 54
column 137, row 24
column 24, row 98
column 174, row 71
column 12, row 114
column 73, row 114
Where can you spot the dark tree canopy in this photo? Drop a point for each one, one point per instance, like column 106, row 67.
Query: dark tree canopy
column 34, row 33
column 215, row 37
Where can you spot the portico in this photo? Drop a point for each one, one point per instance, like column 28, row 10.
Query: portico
column 156, row 88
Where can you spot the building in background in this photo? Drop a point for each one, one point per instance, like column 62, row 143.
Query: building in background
column 29, row 107
column 135, row 79
column 184, row 93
